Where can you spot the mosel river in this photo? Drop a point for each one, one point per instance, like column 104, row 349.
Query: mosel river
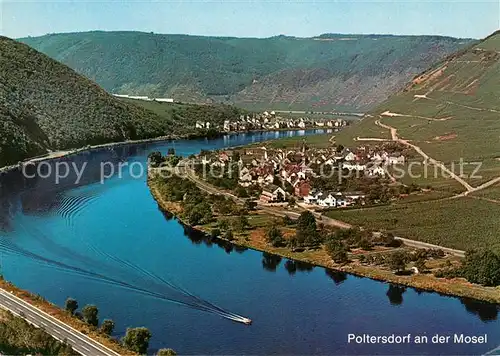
column 109, row 244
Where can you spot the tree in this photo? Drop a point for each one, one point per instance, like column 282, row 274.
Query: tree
column 389, row 241
column 339, row 256
column 306, row 233
column 274, row 236
column 482, row 267
column 293, row 242
column 79, row 315
column 288, row 188
column 71, row 305
column 223, row 224
column 240, row 223
column 287, row 220
column 166, row 352
column 228, row 235
column 420, row 265
column 171, row 152
column 397, row 261
column 215, row 233
column 250, row 205
column 292, row 202
column 90, row 314
column 337, row 251
column 241, row 192
column 155, row 159
column 365, row 244
column 107, row 326
column 200, row 214
column 137, row 339
column 306, row 221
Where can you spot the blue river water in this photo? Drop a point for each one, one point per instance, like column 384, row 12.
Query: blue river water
column 110, row 245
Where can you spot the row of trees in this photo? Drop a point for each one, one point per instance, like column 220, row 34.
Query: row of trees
column 339, row 243
column 135, row 339
column 306, row 235
column 156, row 159
column 479, row 266
column 90, row 315
column 199, row 207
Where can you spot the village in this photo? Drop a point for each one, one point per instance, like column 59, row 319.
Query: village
column 314, row 178
column 271, row 121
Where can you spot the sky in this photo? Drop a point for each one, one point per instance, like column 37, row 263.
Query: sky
column 252, row 18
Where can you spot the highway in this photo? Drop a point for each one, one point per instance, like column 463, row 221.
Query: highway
column 80, row 342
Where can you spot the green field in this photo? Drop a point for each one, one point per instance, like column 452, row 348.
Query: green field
column 460, row 223
column 489, row 193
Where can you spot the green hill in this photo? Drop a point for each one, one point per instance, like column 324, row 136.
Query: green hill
column 46, row 106
column 325, row 72
column 450, row 113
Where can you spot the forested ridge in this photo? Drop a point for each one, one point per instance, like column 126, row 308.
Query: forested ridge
column 328, row 71
column 46, row 106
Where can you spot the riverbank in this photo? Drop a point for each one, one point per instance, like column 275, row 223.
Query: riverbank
column 67, row 153
column 457, row 287
column 64, row 317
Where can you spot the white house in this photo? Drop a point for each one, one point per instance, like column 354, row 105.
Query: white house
column 396, row 160
column 328, row 201
column 302, row 125
column 313, row 198
column 272, row 193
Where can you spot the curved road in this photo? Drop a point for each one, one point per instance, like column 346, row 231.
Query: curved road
column 59, row 330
